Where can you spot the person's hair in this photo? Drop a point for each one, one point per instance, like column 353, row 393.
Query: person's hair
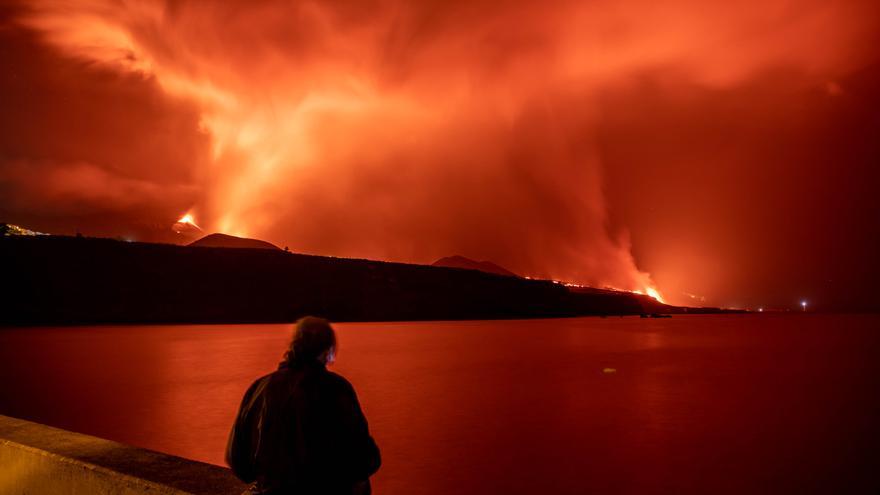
column 312, row 337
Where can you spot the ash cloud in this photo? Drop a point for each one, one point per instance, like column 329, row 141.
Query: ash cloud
column 409, row 132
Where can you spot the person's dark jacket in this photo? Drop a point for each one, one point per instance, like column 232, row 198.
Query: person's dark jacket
column 300, row 430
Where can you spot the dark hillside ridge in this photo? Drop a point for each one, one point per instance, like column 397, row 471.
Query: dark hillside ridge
column 230, row 241
column 69, row 280
column 469, row 264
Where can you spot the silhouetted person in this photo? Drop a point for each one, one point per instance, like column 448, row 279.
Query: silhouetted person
column 300, row 430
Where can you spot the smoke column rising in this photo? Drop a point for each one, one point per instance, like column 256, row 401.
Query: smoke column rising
column 408, row 132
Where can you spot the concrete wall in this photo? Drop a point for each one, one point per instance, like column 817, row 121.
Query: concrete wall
column 40, row 460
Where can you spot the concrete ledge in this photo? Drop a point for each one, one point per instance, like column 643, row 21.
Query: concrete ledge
column 39, row 459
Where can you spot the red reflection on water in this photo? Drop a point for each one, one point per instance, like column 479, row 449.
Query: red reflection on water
column 698, row 404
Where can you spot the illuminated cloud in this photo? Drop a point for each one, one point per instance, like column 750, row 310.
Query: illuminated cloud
column 402, row 131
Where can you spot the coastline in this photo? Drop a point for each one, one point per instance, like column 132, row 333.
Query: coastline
column 60, row 280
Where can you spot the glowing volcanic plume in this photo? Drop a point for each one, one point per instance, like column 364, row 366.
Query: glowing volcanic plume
column 396, row 131
column 186, row 225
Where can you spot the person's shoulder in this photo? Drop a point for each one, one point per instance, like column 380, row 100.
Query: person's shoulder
column 338, row 381
column 261, row 381
column 268, row 378
column 257, row 387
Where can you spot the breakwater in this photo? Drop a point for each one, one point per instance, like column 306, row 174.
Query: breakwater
column 36, row 458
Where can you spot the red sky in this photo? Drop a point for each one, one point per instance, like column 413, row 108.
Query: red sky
column 724, row 152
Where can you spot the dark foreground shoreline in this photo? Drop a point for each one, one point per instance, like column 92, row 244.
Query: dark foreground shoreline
column 52, row 280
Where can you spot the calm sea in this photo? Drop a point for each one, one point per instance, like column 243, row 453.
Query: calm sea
column 694, row 404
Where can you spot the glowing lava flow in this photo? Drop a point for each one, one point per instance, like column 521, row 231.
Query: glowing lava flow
column 186, row 224
column 655, row 294
column 648, row 291
column 188, row 219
